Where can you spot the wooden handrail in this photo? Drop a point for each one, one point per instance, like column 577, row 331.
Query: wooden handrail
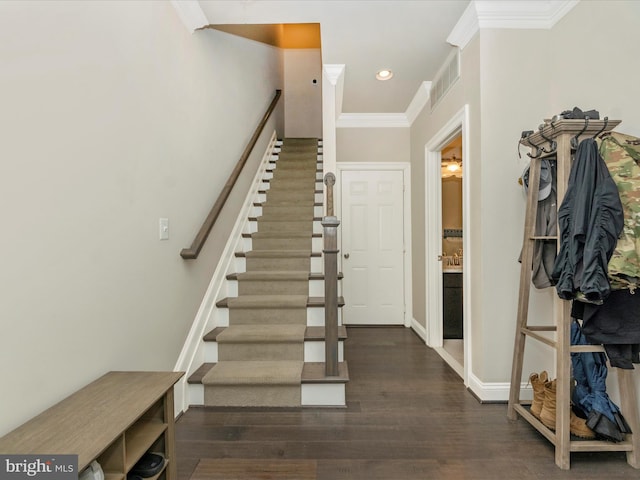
column 194, row 250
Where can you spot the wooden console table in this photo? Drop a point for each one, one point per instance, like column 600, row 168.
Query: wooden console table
column 114, row 420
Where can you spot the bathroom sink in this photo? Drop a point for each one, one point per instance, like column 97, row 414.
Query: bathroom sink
column 452, row 269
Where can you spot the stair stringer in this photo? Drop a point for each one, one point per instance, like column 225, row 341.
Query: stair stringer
column 207, row 317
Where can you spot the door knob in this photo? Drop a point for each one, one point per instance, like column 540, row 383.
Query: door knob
column 346, row 255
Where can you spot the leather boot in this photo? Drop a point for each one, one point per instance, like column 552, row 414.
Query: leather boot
column 548, row 412
column 537, row 383
column 577, row 426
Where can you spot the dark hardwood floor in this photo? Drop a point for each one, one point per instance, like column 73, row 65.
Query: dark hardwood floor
column 408, row 417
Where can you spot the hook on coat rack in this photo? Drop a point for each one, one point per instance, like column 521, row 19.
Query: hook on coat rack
column 606, row 122
column 539, row 151
column 574, row 139
column 553, row 145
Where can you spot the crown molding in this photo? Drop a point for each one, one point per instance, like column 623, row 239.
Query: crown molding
column 525, row 14
column 191, row 14
column 333, row 72
column 466, row 27
column 420, row 99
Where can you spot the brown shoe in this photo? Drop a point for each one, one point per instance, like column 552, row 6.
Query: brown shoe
column 548, row 413
column 537, row 383
column 577, row 426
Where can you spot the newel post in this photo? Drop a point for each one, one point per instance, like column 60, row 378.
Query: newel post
column 330, row 228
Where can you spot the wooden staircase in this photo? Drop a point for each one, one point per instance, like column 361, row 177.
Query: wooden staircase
column 268, row 348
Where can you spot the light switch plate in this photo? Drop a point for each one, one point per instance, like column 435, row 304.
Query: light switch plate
column 164, row 229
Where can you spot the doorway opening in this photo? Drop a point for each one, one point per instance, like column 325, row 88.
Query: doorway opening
column 452, row 250
column 448, row 240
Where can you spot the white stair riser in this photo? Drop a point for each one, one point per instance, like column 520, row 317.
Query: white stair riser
column 196, row 393
column 324, row 394
column 315, row 317
column 313, row 394
column 313, row 351
column 210, row 352
column 317, row 264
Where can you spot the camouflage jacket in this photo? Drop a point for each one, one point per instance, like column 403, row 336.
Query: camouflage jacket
column 621, row 154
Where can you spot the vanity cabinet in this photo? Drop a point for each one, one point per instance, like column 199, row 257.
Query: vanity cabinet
column 452, row 306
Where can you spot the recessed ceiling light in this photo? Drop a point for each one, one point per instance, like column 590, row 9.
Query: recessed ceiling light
column 385, row 74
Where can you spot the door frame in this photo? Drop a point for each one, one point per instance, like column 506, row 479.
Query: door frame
column 405, row 168
column 457, row 125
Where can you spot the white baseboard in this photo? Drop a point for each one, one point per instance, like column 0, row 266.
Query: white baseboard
column 419, row 329
column 496, row 391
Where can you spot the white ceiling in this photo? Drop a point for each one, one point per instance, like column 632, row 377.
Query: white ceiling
column 410, row 37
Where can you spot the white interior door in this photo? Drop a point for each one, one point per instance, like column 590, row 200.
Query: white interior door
column 372, row 247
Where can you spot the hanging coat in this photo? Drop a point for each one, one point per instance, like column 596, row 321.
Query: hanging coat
column 621, row 154
column 590, row 220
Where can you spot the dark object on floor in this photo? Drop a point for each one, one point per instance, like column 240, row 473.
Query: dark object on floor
column 149, row 465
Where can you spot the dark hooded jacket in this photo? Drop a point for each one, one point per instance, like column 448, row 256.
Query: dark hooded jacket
column 590, row 220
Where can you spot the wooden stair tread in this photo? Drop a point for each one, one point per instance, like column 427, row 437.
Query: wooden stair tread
column 264, row 192
column 213, row 334
column 312, row 372
column 283, row 273
column 196, row 377
column 320, row 276
column 281, row 234
column 270, row 275
column 312, row 334
column 278, row 254
column 291, row 202
column 319, row 302
column 261, row 301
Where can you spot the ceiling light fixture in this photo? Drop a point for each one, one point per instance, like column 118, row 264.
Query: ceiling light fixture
column 451, row 167
column 385, row 74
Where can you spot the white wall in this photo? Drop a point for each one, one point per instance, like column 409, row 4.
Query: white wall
column 529, row 76
column 372, row 144
column 465, row 91
column 512, row 80
column 113, row 115
column 303, row 97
